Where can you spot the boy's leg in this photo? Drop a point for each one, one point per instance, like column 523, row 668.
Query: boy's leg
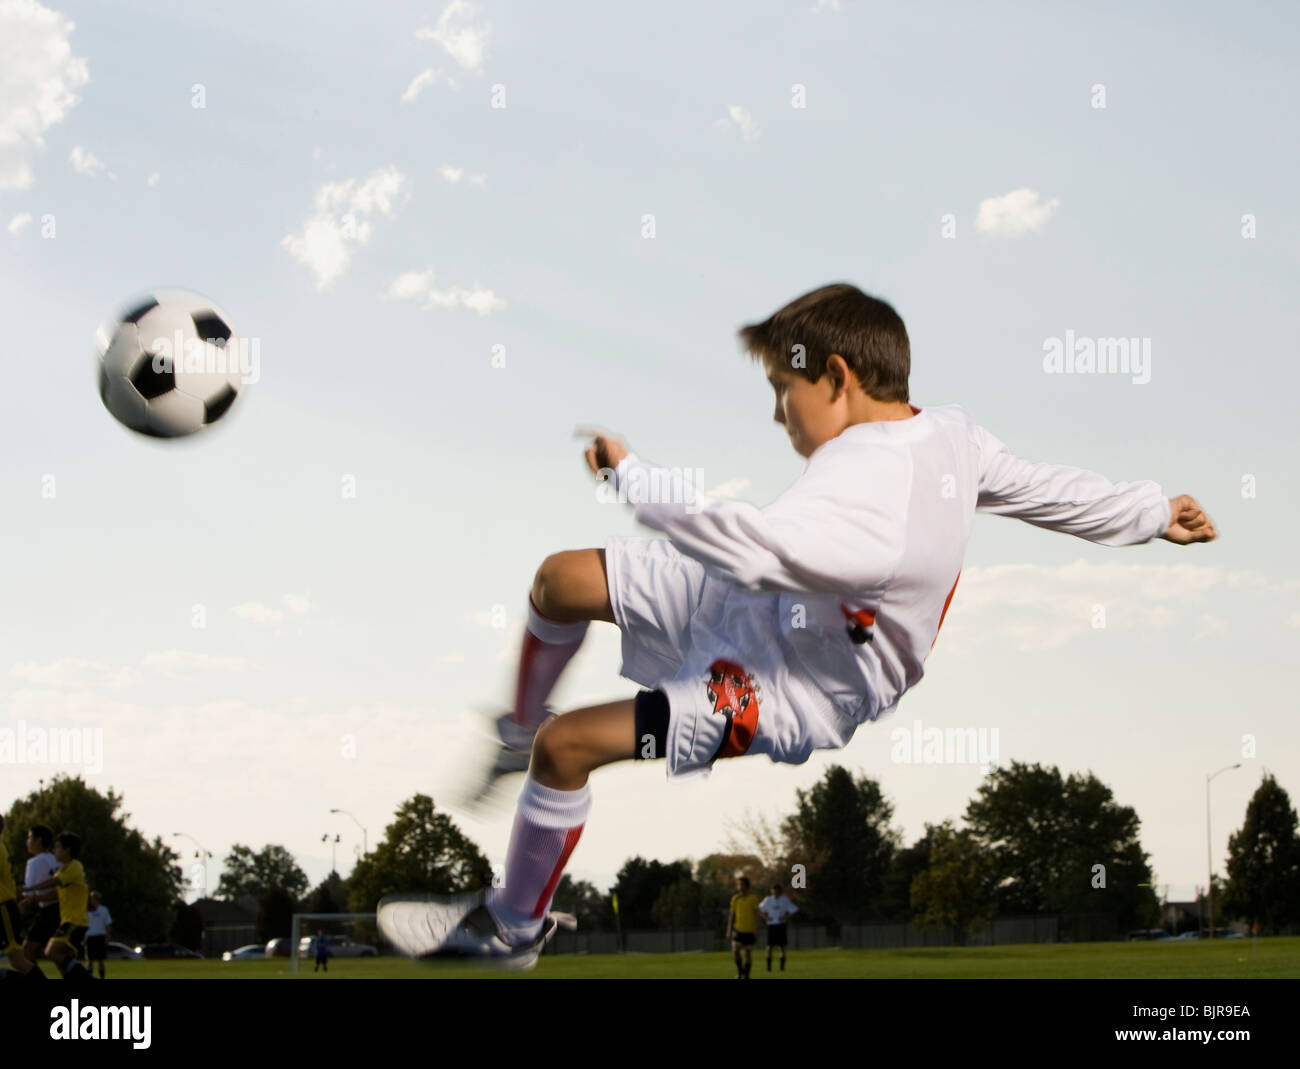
column 555, row 801
column 569, row 590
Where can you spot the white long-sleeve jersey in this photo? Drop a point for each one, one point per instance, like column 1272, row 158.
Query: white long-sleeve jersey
column 860, row 557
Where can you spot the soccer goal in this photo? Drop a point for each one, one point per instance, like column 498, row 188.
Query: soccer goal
column 346, row 935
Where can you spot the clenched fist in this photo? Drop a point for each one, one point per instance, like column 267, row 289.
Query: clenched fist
column 1190, row 522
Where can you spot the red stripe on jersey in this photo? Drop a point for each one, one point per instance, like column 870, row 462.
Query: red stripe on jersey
column 543, row 900
column 946, row 603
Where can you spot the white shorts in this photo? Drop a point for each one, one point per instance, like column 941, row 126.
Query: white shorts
column 717, row 652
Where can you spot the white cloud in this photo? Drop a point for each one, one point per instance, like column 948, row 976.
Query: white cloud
column 257, row 612
column 182, row 664
column 1294, row 619
column 85, row 162
column 19, row 221
column 743, row 120
column 153, row 178
column 1052, row 605
column 39, row 77
column 455, row 174
column 418, row 286
column 463, row 42
column 1014, row 213
column 339, row 224
column 261, row 613
column 296, row 604
column 72, row 673
column 418, row 85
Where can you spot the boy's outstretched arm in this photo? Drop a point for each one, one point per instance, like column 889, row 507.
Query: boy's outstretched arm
column 835, row 530
column 1083, row 503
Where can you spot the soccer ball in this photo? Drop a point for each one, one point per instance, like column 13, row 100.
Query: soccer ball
column 169, row 365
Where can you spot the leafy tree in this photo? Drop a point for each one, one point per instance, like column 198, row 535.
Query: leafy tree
column 638, row 886
column 678, row 905
column 1047, row 835
column 328, row 896
column 422, row 851
column 589, row 906
column 907, row 864
column 271, row 868
column 1264, row 862
column 275, row 910
column 138, row 880
column 187, row 929
column 841, row 831
column 956, row 889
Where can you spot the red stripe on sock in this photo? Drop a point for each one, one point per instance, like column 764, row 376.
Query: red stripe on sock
column 544, row 899
column 526, row 658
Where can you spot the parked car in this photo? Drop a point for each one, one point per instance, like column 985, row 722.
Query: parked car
column 165, row 950
column 340, row 946
column 1188, row 937
column 1156, row 935
column 252, row 950
column 121, row 952
column 277, row 948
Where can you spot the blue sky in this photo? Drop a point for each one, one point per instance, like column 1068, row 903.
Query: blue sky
column 949, row 159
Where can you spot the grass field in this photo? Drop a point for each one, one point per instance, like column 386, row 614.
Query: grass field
column 1230, row 959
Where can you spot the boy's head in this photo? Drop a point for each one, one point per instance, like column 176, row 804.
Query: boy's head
column 39, row 839
column 776, row 890
column 67, row 846
column 834, row 357
column 742, row 884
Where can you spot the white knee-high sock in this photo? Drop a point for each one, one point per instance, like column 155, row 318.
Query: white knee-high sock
column 547, row 826
column 548, row 647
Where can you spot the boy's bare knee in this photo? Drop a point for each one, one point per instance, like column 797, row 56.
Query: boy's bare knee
column 556, row 754
column 548, row 586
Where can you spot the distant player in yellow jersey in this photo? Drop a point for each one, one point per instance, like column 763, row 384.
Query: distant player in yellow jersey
column 9, row 922
column 742, row 926
column 64, row 947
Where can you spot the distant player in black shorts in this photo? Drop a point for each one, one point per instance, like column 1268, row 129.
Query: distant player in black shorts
column 776, row 910
column 98, row 933
column 742, row 926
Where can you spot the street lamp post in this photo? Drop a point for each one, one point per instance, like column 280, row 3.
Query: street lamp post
column 1209, row 848
column 203, row 852
column 365, row 849
column 334, row 845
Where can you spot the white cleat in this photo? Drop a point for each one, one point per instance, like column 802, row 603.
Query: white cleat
column 417, row 925
column 422, row 927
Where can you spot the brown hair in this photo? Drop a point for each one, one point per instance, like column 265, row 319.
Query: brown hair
column 839, row 318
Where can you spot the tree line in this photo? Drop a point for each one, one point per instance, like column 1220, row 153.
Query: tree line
column 1031, row 841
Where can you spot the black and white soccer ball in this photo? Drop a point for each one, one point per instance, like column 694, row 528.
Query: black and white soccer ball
column 170, row 365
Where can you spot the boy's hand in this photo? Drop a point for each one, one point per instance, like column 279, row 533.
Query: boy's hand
column 605, row 451
column 1190, row 523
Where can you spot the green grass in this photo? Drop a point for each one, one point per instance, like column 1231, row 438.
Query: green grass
column 1229, row 959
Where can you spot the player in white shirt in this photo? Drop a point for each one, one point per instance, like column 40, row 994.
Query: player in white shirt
column 97, row 933
column 776, row 909
column 41, row 865
column 777, row 630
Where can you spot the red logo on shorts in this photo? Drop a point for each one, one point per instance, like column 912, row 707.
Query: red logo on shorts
column 735, row 695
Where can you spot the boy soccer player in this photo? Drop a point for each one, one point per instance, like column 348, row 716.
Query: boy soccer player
column 778, row 630
column 776, row 908
column 41, row 865
column 65, row 944
column 9, row 924
column 742, row 926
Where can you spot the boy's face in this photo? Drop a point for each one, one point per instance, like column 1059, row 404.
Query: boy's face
column 34, row 845
column 805, row 409
column 62, row 853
